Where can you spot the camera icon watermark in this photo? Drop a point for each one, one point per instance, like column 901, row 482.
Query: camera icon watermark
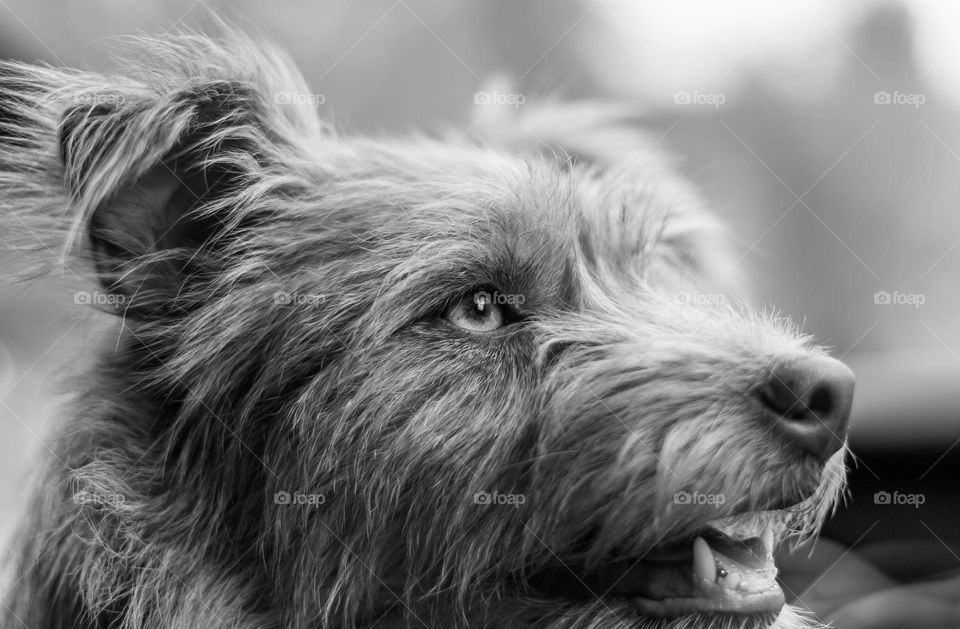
column 483, row 298
column 897, row 498
column 298, row 498
column 98, row 298
column 109, row 99
column 496, row 498
column 896, row 298
column 698, row 498
column 485, row 97
column 284, row 298
column 710, row 99
column 909, row 99
column 84, row 497
column 701, row 299
column 288, row 97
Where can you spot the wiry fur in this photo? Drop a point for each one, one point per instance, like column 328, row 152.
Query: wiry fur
column 197, row 199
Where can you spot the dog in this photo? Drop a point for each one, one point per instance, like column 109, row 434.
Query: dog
column 358, row 382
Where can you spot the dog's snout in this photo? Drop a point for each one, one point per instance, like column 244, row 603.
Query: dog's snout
column 809, row 400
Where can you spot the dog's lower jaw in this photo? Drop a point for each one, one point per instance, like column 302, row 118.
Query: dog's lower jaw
column 618, row 610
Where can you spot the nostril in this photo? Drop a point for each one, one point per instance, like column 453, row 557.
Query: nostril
column 821, row 401
column 792, row 402
column 783, row 400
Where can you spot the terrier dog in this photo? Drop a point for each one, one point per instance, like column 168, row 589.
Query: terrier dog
column 405, row 383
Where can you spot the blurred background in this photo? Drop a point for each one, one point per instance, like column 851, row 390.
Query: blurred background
column 827, row 134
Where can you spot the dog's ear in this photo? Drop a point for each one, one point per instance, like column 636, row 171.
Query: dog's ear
column 139, row 171
column 155, row 166
column 159, row 169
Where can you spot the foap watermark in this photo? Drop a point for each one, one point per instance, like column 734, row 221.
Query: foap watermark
column 897, row 498
column 298, row 498
column 496, row 498
column 697, row 498
column 701, row 299
column 909, row 99
column 84, row 497
column 710, row 99
column 98, row 298
column 482, row 298
column 499, row 98
column 284, row 298
column 100, row 98
column 289, row 97
column 896, row 298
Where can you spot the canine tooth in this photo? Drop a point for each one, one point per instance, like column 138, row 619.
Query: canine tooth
column 704, row 565
column 768, row 539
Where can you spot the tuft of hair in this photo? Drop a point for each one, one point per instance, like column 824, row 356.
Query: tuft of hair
column 73, row 142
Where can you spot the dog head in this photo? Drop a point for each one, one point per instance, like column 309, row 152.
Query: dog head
column 419, row 381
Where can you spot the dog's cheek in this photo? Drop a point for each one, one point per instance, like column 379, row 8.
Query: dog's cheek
column 434, row 382
column 431, row 401
column 454, row 425
column 709, row 469
column 608, row 420
column 596, row 459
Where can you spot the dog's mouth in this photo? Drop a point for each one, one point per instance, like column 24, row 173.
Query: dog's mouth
column 726, row 568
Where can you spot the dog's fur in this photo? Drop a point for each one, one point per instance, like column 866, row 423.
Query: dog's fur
column 198, row 199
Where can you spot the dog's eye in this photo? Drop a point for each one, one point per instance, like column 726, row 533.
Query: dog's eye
column 477, row 312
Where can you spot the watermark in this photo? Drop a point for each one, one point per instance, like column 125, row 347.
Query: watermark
column 98, row 298
column 914, row 100
column 499, row 98
column 701, row 299
column 896, row 298
column 298, row 498
column 288, row 97
column 100, row 98
column 697, row 498
column 84, row 497
column 897, row 498
column 482, row 298
column 496, row 498
column 283, row 298
column 711, row 99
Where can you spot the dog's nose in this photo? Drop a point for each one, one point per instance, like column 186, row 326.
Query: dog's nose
column 809, row 400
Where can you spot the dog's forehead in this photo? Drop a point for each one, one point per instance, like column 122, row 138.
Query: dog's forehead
column 551, row 215
column 525, row 223
column 519, row 219
column 512, row 194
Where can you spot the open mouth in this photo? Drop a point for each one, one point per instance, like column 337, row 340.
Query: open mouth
column 726, row 567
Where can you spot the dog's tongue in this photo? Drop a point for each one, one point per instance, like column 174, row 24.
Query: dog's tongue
column 718, row 574
column 727, row 569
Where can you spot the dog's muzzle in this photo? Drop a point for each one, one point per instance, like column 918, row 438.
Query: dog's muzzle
column 807, row 400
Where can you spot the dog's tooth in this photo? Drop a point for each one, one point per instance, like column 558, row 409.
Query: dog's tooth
column 704, row 565
column 768, row 539
column 732, row 580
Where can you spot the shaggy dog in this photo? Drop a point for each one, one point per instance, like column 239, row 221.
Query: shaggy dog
column 410, row 383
